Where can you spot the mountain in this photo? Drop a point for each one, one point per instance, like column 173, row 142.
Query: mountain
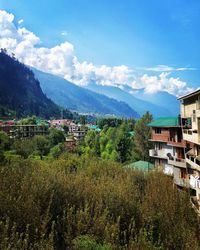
column 21, row 92
column 79, row 99
column 139, row 101
column 161, row 98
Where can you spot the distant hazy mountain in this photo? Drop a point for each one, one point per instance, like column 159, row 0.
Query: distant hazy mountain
column 160, row 104
column 76, row 98
column 161, row 98
column 20, row 92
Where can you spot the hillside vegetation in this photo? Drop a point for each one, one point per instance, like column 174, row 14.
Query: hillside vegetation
column 21, row 93
column 80, row 203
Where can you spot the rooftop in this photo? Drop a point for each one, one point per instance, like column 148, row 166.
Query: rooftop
column 196, row 92
column 141, row 165
column 165, row 122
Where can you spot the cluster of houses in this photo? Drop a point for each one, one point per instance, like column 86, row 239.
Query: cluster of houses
column 176, row 145
column 75, row 132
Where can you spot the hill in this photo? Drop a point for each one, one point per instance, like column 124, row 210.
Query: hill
column 138, row 100
column 21, row 92
column 76, row 98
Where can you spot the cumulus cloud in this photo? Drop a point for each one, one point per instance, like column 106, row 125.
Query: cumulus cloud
column 61, row 60
column 164, row 82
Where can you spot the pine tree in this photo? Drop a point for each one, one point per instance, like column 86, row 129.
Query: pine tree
column 141, row 138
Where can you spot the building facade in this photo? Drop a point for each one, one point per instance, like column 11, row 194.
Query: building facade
column 168, row 150
column 190, row 115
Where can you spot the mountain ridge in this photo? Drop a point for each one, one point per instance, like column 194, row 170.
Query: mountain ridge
column 79, row 99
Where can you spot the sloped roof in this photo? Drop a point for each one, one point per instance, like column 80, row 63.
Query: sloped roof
column 165, row 122
column 141, row 165
column 196, row 92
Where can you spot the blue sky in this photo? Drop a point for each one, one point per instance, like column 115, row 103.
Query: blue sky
column 139, row 34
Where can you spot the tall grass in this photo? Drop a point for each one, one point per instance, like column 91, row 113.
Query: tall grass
column 79, row 203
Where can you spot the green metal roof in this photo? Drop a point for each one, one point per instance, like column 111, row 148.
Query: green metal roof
column 131, row 133
column 141, row 165
column 165, row 122
column 95, row 127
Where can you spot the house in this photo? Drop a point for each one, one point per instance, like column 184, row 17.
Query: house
column 190, row 118
column 168, row 150
column 70, row 144
column 20, row 131
column 141, row 165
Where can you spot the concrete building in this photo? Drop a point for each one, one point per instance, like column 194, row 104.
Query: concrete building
column 23, row 131
column 190, row 116
column 168, row 148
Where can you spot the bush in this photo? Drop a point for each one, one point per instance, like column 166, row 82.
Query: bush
column 76, row 202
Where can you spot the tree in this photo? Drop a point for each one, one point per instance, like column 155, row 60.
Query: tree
column 4, row 144
column 55, row 136
column 24, row 148
column 57, row 150
column 42, row 145
column 83, row 119
column 141, row 138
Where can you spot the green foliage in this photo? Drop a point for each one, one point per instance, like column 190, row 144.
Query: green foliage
column 141, row 138
column 80, row 203
column 24, row 148
column 42, row 145
column 86, row 242
column 114, row 143
column 55, row 136
column 28, row 121
column 109, row 122
column 56, row 151
column 4, row 144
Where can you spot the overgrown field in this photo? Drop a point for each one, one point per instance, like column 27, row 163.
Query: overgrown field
column 81, row 203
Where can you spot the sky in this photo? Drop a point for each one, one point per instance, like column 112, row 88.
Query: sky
column 150, row 44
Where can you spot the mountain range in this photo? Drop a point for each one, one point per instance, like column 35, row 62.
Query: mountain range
column 103, row 99
column 76, row 98
column 158, row 104
column 27, row 91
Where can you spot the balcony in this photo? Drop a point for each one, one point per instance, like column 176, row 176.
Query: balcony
column 160, row 137
column 157, row 154
column 193, row 160
column 194, row 182
column 191, row 135
column 177, row 162
column 181, row 182
column 181, row 143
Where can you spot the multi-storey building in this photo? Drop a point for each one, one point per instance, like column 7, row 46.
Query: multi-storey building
column 190, row 115
column 23, row 131
column 168, row 148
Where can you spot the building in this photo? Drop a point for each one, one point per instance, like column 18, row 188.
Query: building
column 23, row 131
column 70, row 144
column 168, row 150
column 65, row 122
column 190, row 117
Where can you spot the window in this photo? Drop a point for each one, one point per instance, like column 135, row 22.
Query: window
column 157, row 130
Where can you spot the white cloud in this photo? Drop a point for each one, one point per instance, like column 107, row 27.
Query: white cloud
column 61, row 60
column 165, row 68
column 20, row 21
column 164, row 82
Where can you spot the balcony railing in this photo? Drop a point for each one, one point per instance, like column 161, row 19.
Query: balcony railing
column 158, row 153
column 177, row 162
column 194, row 182
column 193, row 160
column 181, row 182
